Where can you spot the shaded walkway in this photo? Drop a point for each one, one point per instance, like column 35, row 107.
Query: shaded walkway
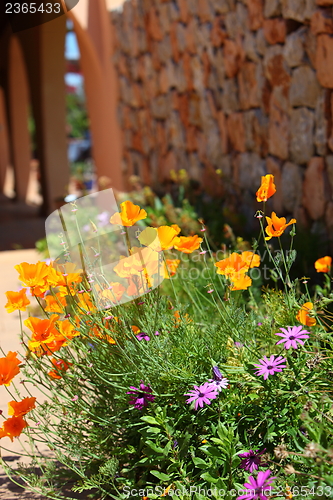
column 20, row 225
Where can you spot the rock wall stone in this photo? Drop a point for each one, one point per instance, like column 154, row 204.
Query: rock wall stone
column 239, row 86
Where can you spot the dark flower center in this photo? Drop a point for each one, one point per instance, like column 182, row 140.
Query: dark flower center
column 291, row 337
column 269, row 367
column 201, row 394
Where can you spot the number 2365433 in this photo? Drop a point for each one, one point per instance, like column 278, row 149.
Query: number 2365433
column 32, row 8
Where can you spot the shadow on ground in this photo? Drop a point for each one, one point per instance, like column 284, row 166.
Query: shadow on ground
column 12, row 491
column 20, row 225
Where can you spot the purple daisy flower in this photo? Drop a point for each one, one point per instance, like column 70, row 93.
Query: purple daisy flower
column 202, row 395
column 140, row 397
column 292, row 335
column 218, row 381
column 270, row 366
column 142, row 336
column 258, row 488
column 251, row 460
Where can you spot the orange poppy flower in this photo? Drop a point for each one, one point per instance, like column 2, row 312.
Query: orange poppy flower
column 85, row 303
column 34, row 276
column 171, row 267
column 12, row 427
column 69, row 284
column 55, row 303
column 101, row 334
column 167, row 236
column 161, row 238
column 129, row 214
column 46, row 349
column 17, row 301
column 43, row 330
column 126, row 266
column 240, row 281
column 133, row 290
column 231, row 265
column 21, row 408
column 114, row 294
column 147, row 260
column 9, row 368
column 303, row 315
column 64, row 275
column 276, row 225
column 323, row 265
column 55, row 278
column 143, row 260
column 187, row 244
column 66, row 268
column 267, row 188
column 251, row 259
column 139, row 286
column 67, row 331
column 61, row 367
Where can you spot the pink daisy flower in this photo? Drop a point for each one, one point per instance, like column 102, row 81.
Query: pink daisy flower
column 258, row 488
column 251, row 460
column 292, row 335
column 140, row 397
column 202, row 395
column 269, row 366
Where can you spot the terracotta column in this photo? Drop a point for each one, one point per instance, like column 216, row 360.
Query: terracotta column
column 4, row 144
column 93, row 31
column 19, row 106
column 52, row 112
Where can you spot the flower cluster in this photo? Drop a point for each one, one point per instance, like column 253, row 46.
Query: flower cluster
column 13, row 426
column 91, row 358
column 208, row 391
column 235, row 268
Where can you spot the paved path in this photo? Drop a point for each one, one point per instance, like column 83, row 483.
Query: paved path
column 9, row 341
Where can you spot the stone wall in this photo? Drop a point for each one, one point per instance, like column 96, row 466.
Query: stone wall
column 231, row 90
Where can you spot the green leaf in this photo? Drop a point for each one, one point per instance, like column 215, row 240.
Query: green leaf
column 199, row 462
column 150, row 420
column 154, row 447
column 207, row 477
column 211, row 450
column 253, row 396
column 153, row 430
column 160, row 475
column 167, row 448
column 217, row 441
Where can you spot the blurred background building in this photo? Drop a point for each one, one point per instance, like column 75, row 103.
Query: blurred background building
column 52, row 77
column 227, row 90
